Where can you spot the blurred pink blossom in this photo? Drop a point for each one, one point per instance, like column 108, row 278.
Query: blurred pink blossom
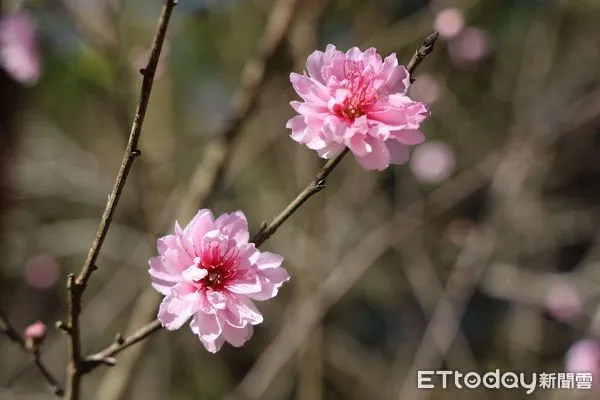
column 35, row 334
column 433, row 162
column 471, row 45
column 449, row 22
column 209, row 272
column 584, row 356
column 425, row 89
column 41, row 271
column 356, row 100
column 563, row 302
column 19, row 52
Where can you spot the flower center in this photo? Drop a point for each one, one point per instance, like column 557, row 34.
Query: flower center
column 362, row 95
column 221, row 266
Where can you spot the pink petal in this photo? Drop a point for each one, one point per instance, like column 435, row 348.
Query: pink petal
column 235, row 226
column 268, row 260
column 176, row 260
column 162, row 280
column 247, row 310
column 358, row 145
column 174, row 312
column 378, row 158
column 245, row 283
column 331, row 150
column 217, row 299
column 202, row 223
column 209, row 330
column 309, row 89
column 398, row 152
column 166, row 242
column 194, row 273
column 269, row 290
column 237, row 336
column 314, row 63
column 277, row 276
column 398, row 81
column 408, row 136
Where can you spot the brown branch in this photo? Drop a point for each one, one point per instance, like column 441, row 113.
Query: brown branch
column 104, row 357
column 13, row 335
column 423, row 51
column 77, row 286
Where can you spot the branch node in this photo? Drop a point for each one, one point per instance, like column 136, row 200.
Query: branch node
column 136, row 152
column 119, row 338
column 143, row 71
column 61, row 325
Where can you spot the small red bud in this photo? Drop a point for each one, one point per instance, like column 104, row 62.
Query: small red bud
column 35, row 335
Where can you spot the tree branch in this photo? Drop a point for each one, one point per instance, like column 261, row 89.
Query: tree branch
column 77, row 286
column 104, row 357
column 13, row 335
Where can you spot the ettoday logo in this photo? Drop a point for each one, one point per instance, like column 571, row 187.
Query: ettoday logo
column 497, row 379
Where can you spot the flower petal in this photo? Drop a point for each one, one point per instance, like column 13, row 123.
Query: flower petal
column 194, row 273
column 174, row 312
column 398, row 152
column 268, row 260
column 378, row 158
column 234, row 225
column 209, row 330
column 237, row 337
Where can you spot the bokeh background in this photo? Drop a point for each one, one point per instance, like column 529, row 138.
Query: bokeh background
column 481, row 253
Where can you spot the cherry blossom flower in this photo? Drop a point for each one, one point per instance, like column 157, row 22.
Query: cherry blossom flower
column 209, row 272
column 356, row 100
column 19, row 52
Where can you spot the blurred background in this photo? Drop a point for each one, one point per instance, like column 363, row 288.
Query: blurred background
column 482, row 252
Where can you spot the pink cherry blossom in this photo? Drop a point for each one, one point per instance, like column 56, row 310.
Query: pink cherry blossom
column 356, row 100
column 19, row 53
column 209, row 272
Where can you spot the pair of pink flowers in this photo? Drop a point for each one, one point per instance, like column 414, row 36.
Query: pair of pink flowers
column 208, row 271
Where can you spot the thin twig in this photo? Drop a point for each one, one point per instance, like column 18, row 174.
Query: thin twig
column 77, row 286
column 314, row 187
column 422, row 52
column 104, row 357
column 13, row 335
